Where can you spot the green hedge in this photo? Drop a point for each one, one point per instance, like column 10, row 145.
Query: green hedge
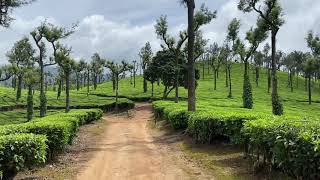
column 208, row 126
column 59, row 128
column 286, row 143
column 292, row 146
column 176, row 116
column 19, row 151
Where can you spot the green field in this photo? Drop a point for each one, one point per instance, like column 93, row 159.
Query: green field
column 295, row 103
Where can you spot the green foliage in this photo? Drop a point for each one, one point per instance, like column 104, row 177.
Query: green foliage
column 59, row 128
column 286, row 143
column 21, row 151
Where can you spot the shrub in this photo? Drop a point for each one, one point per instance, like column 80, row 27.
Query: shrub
column 290, row 145
column 20, row 151
column 59, row 128
column 211, row 125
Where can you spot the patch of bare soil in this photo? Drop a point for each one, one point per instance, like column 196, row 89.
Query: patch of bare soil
column 130, row 151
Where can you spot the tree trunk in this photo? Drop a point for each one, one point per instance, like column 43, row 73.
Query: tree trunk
column 19, row 88
column 43, row 99
column 191, row 72
column 257, row 76
column 215, row 79
column 269, row 79
column 77, row 82
column 291, row 81
column 277, row 107
column 67, row 91
column 203, row 66
column 145, row 85
column 227, row 81
column 134, row 78
column 309, row 89
column 165, row 92
column 59, row 89
column 95, row 81
column 30, row 103
column 152, row 89
column 117, row 91
column 176, row 99
column 14, row 82
column 88, row 83
column 230, row 82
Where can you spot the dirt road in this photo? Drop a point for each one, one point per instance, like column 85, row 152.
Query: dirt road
column 129, row 151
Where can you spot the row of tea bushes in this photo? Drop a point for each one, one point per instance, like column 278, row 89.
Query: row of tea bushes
column 286, row 143
column 29, row 144
column 292, row 146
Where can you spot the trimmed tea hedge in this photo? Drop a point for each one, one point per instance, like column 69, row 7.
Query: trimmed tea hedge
column 286, row 143
column 292, row 146
column 208, row 126
column 176, row 116
column 59, row 128
column 19, row 151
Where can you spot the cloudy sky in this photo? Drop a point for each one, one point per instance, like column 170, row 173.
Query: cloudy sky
column 117, row 29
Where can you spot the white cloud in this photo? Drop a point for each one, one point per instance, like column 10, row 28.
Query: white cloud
column 110, row 39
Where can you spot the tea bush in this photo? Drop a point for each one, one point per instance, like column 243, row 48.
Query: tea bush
column 19, row 151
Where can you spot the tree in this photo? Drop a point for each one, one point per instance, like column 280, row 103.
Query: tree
column 21, row 54
column 117, row 70
column 6, row 72
column 271, row 17
column 233, row 31
column 311, row 66
column 267, row 61
column 215, row 61
column 88, row 71
column 151, row 74
column 31, row 77
column 258, row 62
column 97, row 65
column 146, row 56
column 52, row 34
column 254, row 38
column 195, row 21
column 67, row 65
column 59, row 80
column 6, row 7
column 79, row 68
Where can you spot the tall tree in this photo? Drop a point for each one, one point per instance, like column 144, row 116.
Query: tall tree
column 31, row 78
column 79, row 68
column 233, row 31
column 267, row 61
column 6, row 7
column 152, row 75
column 21, row 54
column 200, row 18
column 215, row 60
column 310, row 67
column 258, row 62
column 97, row 64
column 146, row 56
column 67, row 65
column 271, row 14
column 117, row 70
column 195, row 21
column 254, row 38
column 38, row 37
